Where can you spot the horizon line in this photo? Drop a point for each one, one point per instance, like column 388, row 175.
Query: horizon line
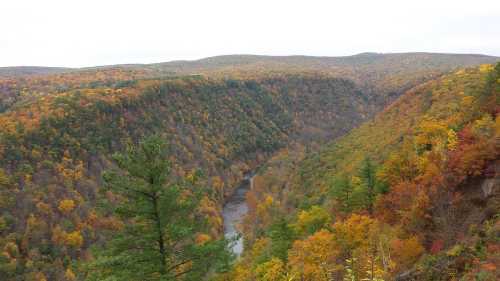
column 242, row 54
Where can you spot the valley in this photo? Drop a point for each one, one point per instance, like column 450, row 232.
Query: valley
column 364, row 165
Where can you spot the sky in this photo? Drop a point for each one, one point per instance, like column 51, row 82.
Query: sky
column 78, row 33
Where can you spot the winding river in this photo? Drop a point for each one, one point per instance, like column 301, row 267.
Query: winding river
column 234, row 211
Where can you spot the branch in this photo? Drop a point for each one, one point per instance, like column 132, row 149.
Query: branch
column 177, row 265
column 184, row 272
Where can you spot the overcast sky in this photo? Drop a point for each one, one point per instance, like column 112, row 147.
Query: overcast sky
column 98, row 32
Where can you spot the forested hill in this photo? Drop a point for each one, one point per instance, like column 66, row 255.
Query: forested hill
column 223, row 116
column 413, row 194
column 383, row 76
column 16, row 71
column 54, row 148
column 385, row 62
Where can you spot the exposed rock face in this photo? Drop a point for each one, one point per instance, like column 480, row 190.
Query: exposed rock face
column 406, row 276
column 492, row 180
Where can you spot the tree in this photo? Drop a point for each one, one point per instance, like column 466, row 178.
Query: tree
column 282, row 236
column 273, row 270
column 401, row 165
column 158, row 240
column 314, row 258
column 370, row 183
column 312, row 220
column 66, row 206
column 341, row 190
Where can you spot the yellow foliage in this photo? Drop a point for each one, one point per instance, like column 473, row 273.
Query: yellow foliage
column 269, row 200
column 4, row 180
column 314, row 259
column 273, row 270
column 74, row 239
column 497, row 125
column 242, row 272
column 483, row 68
column 467, row 101
column 355, row 231
column 217, row 183
column 66, row 205
column 35, row 153
column 311, row 220
column 433, row 133
column 69, row 275
column 452, row 140
column 401, row 166
column 263, row 209
column 484, row 127
column 356, row 181
column 260, row 246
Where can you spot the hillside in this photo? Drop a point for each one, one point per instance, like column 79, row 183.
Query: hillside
column 54, row 148
column 222, row 117
column 383, row 76
column 16, row 71
column 410, row 195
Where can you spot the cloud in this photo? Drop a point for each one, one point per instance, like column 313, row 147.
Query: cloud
column 91, row 32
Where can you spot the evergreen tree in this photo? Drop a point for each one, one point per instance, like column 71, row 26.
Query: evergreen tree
column 371, row 186
column 367, row 174
column 158, row 239
column 282, row 237
column 342, row 191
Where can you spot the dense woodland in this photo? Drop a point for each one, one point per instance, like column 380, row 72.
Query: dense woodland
column 370, row 167
column 410, row 195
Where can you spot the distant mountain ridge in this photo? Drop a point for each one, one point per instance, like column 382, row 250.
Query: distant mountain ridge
column 382, row 76
column 13, row 71
column 210, row 63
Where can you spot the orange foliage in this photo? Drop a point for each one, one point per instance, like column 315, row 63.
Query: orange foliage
column 315, row 258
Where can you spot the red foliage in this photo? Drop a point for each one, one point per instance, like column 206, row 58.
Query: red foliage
column 437, row 246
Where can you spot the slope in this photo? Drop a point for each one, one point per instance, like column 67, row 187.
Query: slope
column 54, row 148
column 410, row 195
column 383, row 76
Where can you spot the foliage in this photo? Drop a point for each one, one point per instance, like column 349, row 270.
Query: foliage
column 59, row 131
column 159, row 240
column 53, row 146
column 407, row 191
column 312, row 220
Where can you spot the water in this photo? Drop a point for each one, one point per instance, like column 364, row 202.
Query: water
column 234, row 211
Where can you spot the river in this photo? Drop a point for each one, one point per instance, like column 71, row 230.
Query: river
column 233, row 212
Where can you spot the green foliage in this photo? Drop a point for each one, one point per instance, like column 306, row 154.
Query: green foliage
column 371, row 186
column 282, row 237
column 157, row 241
column 55, row 146
column 342, row 191
column 410, row 178
column 311, row 220
column 59, row 131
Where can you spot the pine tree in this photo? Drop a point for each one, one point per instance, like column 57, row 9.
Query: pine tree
column 342, row 191
column 371, row 186
column 157, row 241
column 282, row 237
column 367, row 174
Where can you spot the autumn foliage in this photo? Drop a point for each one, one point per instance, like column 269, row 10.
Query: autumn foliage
column 434, row 162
